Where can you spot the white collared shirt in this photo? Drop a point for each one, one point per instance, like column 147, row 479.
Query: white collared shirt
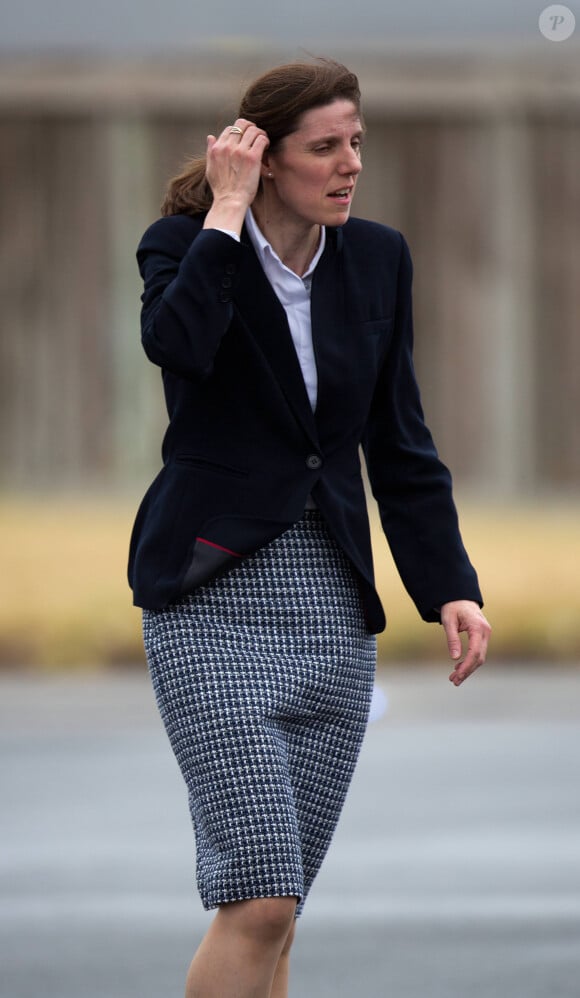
column 293, row 292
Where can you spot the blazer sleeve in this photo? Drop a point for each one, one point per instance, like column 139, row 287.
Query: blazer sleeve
column 411, row 485
column 189, row 276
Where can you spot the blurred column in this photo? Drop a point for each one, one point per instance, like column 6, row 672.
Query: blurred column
column 138, row 413
column 510, row 368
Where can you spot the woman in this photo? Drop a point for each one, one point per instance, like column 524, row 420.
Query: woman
column 284, row 333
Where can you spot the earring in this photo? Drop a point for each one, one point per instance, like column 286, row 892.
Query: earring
column 270, row 174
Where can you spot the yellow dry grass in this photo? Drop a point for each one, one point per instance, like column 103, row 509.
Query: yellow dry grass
column 64, row 600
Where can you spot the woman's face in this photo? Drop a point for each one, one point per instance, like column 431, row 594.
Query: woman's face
column 315, row 169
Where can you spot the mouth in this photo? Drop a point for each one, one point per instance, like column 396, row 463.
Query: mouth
column 342, row 194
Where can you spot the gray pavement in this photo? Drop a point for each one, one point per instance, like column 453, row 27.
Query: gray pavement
column 455, row 871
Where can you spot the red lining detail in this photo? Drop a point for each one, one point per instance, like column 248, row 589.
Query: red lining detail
column 220, row 547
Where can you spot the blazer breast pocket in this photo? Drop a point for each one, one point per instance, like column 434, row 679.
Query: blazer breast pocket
column 369, row 342
column 372, row 339
column 376, row 327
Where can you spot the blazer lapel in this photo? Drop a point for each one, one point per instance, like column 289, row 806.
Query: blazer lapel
column 266, row 320
column 328, row 327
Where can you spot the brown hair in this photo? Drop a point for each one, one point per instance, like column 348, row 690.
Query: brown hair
column 274, row 102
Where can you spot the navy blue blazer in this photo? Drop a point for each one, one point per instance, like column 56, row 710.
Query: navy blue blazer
column 243, row 448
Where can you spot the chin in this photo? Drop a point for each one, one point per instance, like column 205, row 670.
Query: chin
column 339, row 218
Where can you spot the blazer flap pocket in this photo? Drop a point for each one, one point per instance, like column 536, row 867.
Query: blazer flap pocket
column 201, row 463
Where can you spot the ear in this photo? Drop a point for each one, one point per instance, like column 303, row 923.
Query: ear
column 266, row 166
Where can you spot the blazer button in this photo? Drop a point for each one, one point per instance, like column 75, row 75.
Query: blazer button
column 314, row 462
column 227, row 282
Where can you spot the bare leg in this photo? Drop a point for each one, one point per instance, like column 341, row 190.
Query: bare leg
column 239, row 955
column 282, row 975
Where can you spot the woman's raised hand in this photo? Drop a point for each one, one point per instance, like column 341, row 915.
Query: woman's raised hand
column 234, row 161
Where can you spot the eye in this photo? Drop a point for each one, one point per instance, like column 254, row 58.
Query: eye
column 322, row 148
column 357, row 145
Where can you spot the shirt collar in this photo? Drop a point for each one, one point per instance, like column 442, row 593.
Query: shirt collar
column 265, row 251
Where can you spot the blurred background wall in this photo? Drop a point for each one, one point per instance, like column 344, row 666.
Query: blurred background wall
column 475, row 159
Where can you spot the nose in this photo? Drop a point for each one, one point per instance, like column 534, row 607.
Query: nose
column 351, row 163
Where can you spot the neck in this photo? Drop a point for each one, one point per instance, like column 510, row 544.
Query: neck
column 296, row 245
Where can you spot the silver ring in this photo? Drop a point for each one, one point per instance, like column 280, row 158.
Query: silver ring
column 235, row 130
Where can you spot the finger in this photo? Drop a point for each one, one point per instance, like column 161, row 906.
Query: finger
column 262, row 138
column 474, row 658
column 466, row 668
column 242, row 123
column 450, row 626
column 254, row 138
column 245, row 133
column 236, row 131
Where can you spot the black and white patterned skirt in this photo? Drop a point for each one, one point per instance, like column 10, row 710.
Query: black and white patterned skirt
column 264, row 680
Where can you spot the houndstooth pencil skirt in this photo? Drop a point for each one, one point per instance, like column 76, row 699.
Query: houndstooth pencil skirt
column 263, row 679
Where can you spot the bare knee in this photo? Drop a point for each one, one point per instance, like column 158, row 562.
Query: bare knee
column 269, row 919
column 266, row 920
